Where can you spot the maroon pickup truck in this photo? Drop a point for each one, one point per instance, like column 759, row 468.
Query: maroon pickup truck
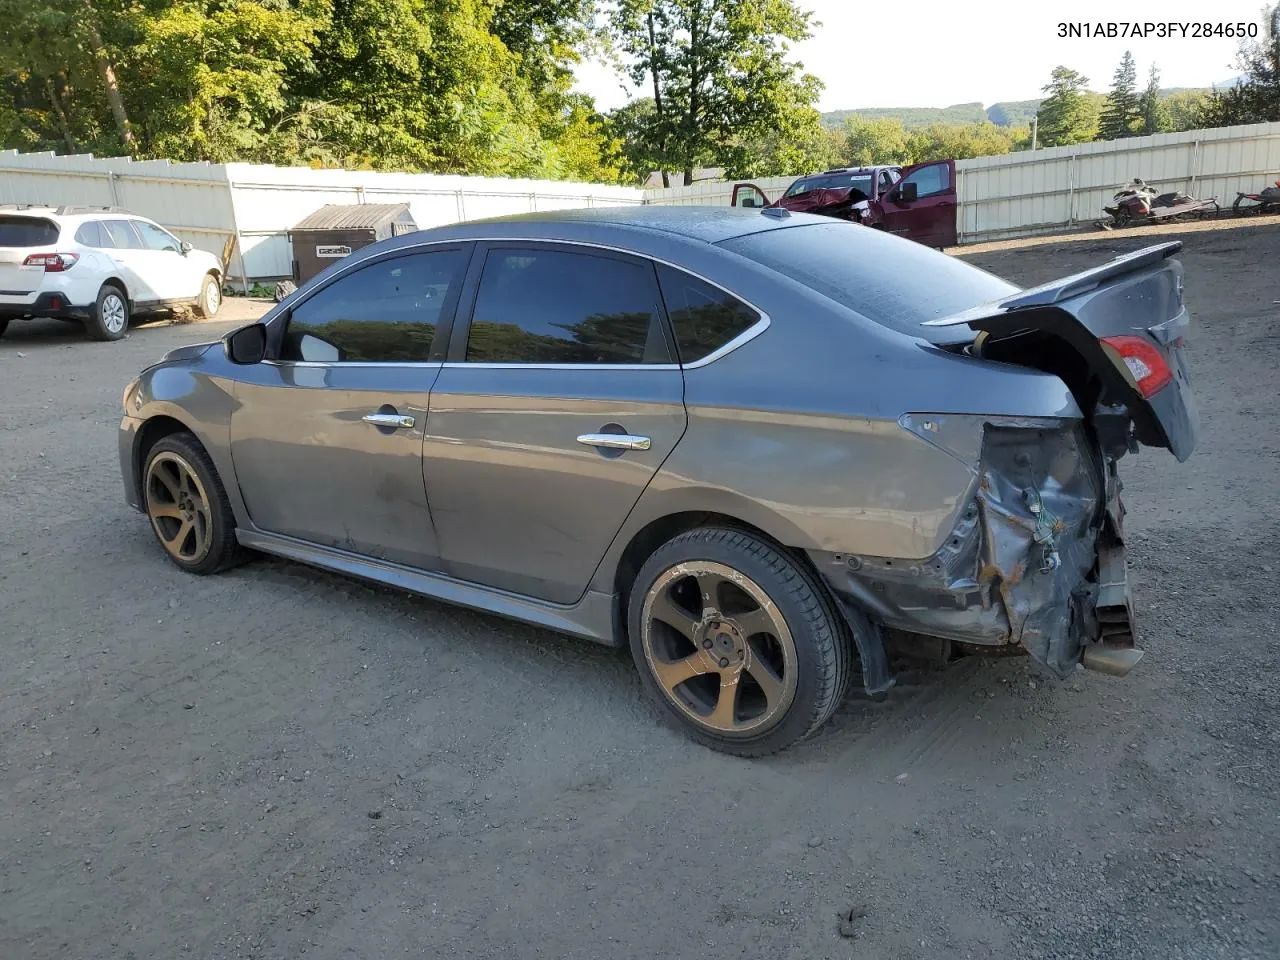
column 916, row 202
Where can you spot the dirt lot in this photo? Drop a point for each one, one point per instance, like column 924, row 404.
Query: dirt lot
column 278, row 763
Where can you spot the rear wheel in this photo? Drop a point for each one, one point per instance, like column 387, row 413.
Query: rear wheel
column 737, row 642
column 110, row 317
column 210, row 297
column 188, row 506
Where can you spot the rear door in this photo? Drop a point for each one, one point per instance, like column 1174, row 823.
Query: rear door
column 130, row 257
column 930, row 218
column 20, row 237
column 561, row 399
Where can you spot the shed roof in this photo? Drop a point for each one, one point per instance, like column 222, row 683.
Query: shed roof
column 353, row 216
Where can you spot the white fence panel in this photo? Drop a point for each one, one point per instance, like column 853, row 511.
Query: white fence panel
column 208, row 204
column 713, row 193
column 270, row 200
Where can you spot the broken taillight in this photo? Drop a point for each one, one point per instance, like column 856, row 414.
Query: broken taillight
column 52, row 262
column 1145, row 363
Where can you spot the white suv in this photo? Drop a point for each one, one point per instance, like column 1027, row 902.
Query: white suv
column 99, row 266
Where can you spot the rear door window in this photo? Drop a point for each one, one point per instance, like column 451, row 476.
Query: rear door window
column 90, row 234
column 122, row 234
column 27, row 232
column 557, row 306
column 704, row 318
column 895, row 282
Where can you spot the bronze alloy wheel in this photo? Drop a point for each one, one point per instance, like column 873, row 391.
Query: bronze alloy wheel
column 719, row 648
column 178, row 507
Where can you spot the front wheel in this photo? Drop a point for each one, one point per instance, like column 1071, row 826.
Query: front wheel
column 737, row 641
column 188, row 506
column 110, row 318
column 210, row 298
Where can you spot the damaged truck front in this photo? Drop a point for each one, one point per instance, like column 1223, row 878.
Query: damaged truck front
column 1035, row 561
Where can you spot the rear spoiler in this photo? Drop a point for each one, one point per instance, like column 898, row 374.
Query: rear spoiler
column 1057, row 291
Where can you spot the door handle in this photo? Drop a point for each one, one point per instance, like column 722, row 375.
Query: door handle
column 394, row 420
column 615, row 441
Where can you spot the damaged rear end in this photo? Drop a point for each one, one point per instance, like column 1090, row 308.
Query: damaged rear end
column 1035, row 560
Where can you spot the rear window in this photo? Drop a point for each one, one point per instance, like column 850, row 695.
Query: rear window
column 897, row 283
column 27, row 232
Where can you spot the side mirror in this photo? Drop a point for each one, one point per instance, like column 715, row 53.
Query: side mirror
column 185, row 248
column 247, row 345
column 907, row 192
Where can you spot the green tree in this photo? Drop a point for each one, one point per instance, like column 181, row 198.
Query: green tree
column 1121, row 114
column 1152, row 110
column 720, row 76
column 1187, row 108
column 870, row 142
column 1256, row 99
column 961, row 141
column 1068, row 114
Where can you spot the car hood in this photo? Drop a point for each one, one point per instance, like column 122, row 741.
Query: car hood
column 189, row 352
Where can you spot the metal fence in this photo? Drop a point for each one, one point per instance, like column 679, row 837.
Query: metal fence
column 1020, row 194
column 211, row 205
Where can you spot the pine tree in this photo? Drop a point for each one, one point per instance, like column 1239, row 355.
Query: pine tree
column 1121, row 114
column 1152, row 108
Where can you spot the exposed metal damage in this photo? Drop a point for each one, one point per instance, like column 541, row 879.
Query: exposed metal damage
column 1034, row 559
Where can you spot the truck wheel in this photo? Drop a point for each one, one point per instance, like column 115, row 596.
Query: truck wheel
column 110, row 317
column 737, row 641
column 210, row 298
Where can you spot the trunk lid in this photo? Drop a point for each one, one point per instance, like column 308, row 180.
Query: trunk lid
column 21, row 236
column 1116, row 336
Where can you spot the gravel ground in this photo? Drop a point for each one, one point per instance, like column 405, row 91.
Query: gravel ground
column 278, row 763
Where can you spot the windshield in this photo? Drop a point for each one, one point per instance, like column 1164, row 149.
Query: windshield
column 831, row 181
column 897, row 283
column 27, row 232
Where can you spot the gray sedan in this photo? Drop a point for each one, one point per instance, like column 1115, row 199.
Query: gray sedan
column 713, row 435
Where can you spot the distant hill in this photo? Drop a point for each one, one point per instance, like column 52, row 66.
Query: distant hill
column 1009, row 113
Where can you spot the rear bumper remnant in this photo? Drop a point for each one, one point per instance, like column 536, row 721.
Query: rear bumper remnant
column 1034, row 558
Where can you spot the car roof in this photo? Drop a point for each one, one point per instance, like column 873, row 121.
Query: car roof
column 66, row 212
column 705, row 223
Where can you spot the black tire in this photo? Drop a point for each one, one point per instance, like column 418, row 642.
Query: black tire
column 110, row 318
column 210, row 298
column 823, row 654
column 4, row 325
column 222, row 550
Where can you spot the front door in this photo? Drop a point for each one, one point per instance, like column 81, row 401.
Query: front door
column 561, row 401
column 929, row 218
column 326, row 436
column 748, row 195
column 168, row 272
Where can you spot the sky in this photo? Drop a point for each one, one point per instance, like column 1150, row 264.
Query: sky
column 930, row 53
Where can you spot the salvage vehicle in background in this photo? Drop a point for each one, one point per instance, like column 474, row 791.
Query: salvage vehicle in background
column 99, row 266
column 917, row 202
column 746, row 446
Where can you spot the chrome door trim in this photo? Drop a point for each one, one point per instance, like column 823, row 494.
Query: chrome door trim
column 615, row 441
